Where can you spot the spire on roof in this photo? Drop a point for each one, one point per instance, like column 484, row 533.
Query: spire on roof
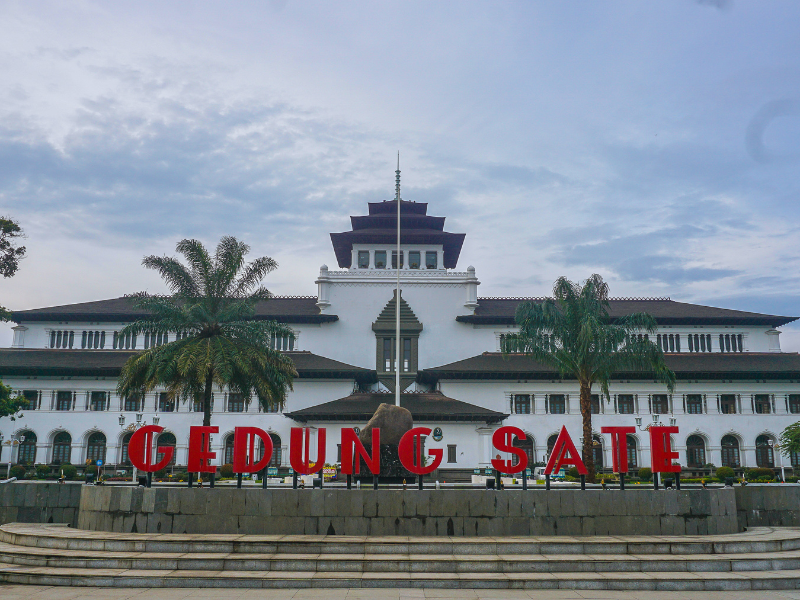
column 397, row 177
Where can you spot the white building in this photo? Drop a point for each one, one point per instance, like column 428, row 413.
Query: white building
column 736, row 390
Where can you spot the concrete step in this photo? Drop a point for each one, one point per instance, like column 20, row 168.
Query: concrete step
column 753, row 580
column 766, row 539
column 399, row 563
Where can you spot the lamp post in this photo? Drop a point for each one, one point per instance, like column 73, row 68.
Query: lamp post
column 773, row 446
column 10, row 443
column 656, row 421
column 140, row 422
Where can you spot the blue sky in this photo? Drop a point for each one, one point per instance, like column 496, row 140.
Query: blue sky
column 655, row 143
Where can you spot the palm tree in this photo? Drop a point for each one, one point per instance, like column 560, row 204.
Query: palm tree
column 573, row 333
column 211, row 312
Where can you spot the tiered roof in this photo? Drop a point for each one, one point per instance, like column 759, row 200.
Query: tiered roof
column 380, row 227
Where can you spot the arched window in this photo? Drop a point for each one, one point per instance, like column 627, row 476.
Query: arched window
column 27, row 449
column 277, row 451
column 633, row 463
column 527, row 446
column 695, row 451
column 96, row 447
column 124, row 458
column 764, row 454
column 62, row 447
column 730, row 452
column 551, row 442
column 228, row 455
column 167, row 439
column 597, row 452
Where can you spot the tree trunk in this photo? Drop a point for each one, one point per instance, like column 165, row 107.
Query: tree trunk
column 207, row 398
column 588, row 440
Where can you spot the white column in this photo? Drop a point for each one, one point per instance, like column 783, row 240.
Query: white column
column 19, row 336
column 485, row 434
column 472, row 289
column 323, row 288
column 774, row 340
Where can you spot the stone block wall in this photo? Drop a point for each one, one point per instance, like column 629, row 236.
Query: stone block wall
column 34, row 502
column 768, row 506
column 408, row 512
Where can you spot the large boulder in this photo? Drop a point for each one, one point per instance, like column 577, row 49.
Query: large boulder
column 393, row 421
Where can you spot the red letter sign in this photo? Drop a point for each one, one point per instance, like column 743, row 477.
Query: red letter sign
column 351, row 442
column 406, row 450
column 200, row 457
column 298, row 441
column 661, row 454
column 619, row 446
column 140, row 450
column 564, row 453
column 503, row 440
column 244, row 449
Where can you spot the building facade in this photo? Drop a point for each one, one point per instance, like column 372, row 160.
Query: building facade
column 736, row 390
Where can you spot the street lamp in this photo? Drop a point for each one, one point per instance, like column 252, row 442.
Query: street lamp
column 10, row 443
column 140, row 422
column 773, row 446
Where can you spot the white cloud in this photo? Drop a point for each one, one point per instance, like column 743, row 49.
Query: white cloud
column 563, row 139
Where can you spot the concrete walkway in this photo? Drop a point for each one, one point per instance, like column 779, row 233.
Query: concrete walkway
column 33, row 592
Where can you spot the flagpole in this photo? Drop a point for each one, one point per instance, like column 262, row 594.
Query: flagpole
column 397, row 293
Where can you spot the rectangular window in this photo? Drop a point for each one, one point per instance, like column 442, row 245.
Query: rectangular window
column 98, row 401
column 451, row 453
column 522, row 404
column 133, row 403
column 235, row 402
column 694, row 404
column 413, row 259
column 387, row 354
column 727, row 404
column 557, row 404
column 272, row 408
column 595, row 404
column 625, row 404
column 431, row 260
column 339, row 453
column 64, row 401
column 763, row 404
column 660, row 404
column 380, row 259
column 165, row 404
column 363, row 259
column 32, row 398
column 794, row 403
column 394, row 259
column 406, row 354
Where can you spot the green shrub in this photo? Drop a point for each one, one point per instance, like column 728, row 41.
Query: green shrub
column 573, row 472
column 226, row 471
column 759, row 473
column 160, row 474
column 18, row 471
column 645, row 474
column 69, row 471
column 724, row 472
column 180, row 476
column 90, row 470
column 42, row 471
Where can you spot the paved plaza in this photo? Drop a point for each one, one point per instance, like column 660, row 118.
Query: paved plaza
column 34, row 592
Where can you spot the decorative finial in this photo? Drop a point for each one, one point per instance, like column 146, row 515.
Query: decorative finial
column 397, row 177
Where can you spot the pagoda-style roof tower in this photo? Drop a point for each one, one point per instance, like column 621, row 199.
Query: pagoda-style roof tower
column 380, row 227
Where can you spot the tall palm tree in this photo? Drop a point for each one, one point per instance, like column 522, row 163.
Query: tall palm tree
column 211, row 311
column 573, row 333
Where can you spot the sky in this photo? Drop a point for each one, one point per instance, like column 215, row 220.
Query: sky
column 657, row 144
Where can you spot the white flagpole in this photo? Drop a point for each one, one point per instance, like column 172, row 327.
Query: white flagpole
column 397, row 293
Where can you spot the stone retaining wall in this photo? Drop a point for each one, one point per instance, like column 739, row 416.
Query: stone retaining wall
column 768, row 506
column 31, row 502
column 410, row 512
